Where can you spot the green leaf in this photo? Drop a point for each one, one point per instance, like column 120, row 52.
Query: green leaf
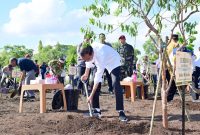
column 92, row 21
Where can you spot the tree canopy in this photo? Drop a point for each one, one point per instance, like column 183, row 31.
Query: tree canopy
column 51, row 52
column 45, row 53
column 150, row 12
column 10, row 51
column 150, row 50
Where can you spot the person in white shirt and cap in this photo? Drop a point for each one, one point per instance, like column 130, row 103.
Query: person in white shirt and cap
column 103, row 57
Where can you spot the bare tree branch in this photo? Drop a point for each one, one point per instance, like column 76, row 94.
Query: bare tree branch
column 137, row 4
column 180, row 21
column 164, row 18
column 151, row 5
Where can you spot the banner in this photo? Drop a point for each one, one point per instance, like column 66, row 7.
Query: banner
column 183, row 68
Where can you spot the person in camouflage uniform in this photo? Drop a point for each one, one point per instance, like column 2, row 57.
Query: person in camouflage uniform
column 57, row 67
column 126, row 52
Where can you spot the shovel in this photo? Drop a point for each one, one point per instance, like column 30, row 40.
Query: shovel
column 16, row 90
column 86, row 92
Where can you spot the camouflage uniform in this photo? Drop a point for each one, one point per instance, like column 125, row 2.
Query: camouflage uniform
column 126, row 52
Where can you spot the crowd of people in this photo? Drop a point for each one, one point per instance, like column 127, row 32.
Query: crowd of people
column 99, row 58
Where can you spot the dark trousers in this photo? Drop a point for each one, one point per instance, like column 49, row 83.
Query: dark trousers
column 146, row 86
column 196, row 80
column 61, row 79
column 43, row 75
column 95, row 103
column 109, row 79
column 81, row 71
column 173, row 88
column 71, row 79
column 154, row 80
column 115, row 75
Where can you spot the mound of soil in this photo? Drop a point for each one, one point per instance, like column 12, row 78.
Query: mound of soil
column 80, row 125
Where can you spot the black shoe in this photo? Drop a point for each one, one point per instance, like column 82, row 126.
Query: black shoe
column 122, row 116
column 96, row 113
column 32, row 97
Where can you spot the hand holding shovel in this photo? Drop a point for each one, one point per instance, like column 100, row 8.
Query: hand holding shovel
column 88, row 98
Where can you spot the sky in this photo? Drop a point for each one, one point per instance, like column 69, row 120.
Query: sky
column 25, row 22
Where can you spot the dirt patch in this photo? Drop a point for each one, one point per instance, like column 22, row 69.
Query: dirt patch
column 100, row 126
column 189, row 104
column 31, row 122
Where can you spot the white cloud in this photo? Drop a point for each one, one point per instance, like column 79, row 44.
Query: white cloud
column 44, row 17
column 50, row 21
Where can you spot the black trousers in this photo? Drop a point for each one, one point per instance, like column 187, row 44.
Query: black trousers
column 115, row 75
column 109, row 79
column 196, row 80
column 173, row 88
column 154, row 80
column 146, row 86
column 95, row 103
column 61, row 79
column 81, row 71
column 43, row 75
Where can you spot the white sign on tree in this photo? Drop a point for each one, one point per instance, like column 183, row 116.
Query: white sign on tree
column 183, row 68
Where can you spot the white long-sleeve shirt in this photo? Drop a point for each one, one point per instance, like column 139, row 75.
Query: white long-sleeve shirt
column 105, row 57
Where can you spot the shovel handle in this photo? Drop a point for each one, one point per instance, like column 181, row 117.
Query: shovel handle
column 86, row 92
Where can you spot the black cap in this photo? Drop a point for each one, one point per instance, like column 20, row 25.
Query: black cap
column 175, row 36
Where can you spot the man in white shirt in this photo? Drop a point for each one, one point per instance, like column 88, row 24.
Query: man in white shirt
column 104, row 57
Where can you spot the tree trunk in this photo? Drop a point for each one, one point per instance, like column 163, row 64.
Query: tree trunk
column 163, row 90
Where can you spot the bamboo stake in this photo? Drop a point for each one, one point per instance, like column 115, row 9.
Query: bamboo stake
column 164, row 93
column 155, row 100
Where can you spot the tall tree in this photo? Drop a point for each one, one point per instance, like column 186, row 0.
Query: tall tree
column 151, row 50
column 51, row 52
column 71, row 56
